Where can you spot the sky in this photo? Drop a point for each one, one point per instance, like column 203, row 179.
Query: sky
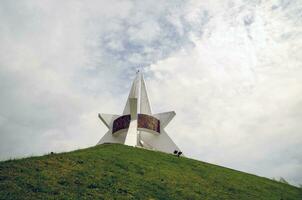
column 231, row 70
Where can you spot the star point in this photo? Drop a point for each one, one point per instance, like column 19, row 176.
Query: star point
column 137, row 126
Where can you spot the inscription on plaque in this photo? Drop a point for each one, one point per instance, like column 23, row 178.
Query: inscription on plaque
column 143, row 121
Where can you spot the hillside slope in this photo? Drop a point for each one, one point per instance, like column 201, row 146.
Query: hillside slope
column 115, row 171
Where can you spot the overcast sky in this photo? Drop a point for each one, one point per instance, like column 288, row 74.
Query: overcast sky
column 232, row 71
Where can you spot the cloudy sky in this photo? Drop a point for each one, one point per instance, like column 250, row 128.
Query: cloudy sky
column 232, row 71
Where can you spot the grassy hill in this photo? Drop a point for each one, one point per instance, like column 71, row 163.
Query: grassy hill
column 115, row 171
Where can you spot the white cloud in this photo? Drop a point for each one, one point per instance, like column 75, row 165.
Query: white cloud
column 147, row 32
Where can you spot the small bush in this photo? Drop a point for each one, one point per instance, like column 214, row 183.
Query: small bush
column 63, row 182
column 92, row 186
column 282, row 180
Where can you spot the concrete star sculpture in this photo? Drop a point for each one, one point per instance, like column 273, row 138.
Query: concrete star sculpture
column 137, row 126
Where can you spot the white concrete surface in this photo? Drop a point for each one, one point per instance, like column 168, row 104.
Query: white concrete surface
column 139, row 103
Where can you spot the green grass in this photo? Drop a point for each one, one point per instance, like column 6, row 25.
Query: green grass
column 115, row 171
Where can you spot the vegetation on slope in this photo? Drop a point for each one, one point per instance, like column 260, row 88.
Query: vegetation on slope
column 115, row 171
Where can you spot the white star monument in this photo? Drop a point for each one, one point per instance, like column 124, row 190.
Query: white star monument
column 137, row 126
